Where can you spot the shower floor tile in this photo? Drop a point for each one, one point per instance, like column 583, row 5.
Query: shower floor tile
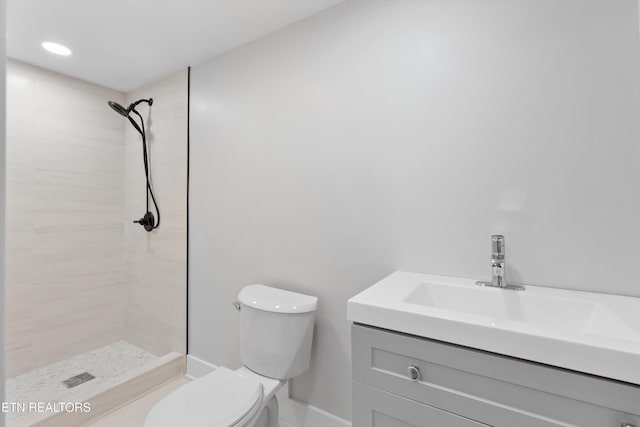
column 110, row 365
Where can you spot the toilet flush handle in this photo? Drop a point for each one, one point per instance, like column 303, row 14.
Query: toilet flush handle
column 236, row 304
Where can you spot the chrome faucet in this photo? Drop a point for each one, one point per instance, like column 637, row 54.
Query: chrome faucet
column 498, row 266
column 498, row 273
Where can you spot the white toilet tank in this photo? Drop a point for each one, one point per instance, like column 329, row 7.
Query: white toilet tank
column 276, row 329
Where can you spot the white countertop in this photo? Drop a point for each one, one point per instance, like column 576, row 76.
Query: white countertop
column 588, row 332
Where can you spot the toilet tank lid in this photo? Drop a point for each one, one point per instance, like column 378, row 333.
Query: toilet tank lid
column 276, row 300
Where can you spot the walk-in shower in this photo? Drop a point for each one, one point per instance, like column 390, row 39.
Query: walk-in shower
column 95, row 311
column 148, row 221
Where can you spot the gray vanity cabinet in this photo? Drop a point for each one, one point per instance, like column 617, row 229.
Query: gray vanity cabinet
column 382, row 409
column 458, row 386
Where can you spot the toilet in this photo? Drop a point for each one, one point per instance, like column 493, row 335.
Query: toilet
column 276, row 329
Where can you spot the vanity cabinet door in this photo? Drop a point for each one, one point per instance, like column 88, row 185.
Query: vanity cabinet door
column 493, row 389
column 377, row 408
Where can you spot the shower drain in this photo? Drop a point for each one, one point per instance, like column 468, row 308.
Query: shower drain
column 78, row 379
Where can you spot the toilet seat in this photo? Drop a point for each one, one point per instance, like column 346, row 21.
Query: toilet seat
column 223, row 398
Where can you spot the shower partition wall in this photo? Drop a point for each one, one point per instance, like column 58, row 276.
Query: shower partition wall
column 156, row 262
column 91, row 297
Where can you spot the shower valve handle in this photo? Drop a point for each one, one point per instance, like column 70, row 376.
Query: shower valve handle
column 147, row 221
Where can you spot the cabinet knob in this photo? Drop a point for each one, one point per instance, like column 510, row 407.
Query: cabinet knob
column 414, row 373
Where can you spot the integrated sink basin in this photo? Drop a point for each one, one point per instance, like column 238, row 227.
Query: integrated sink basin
column 587, row 332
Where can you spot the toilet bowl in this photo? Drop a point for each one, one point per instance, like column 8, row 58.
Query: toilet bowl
column 275, row 345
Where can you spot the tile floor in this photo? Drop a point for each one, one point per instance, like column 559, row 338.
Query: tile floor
column 134, row 413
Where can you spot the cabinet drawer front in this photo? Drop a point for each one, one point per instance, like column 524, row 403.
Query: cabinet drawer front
column 377, row 408
column 493, row 389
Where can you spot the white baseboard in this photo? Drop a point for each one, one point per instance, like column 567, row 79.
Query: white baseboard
column 197, row 368
column 293, row 413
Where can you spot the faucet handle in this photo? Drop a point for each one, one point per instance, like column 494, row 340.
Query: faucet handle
column 497, row 246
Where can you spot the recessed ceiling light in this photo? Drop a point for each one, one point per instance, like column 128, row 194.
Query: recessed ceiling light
column 56, row 48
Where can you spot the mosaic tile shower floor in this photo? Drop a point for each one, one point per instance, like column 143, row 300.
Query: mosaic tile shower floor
column 110, row 365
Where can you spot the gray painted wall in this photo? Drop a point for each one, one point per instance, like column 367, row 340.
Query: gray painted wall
column 2, row 187
column 384, row 135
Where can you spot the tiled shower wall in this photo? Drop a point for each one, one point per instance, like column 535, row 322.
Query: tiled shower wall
column 78, row 269
column 156, row 262
column 65, row 192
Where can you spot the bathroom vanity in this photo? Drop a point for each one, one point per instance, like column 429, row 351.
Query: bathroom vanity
column 440, row 351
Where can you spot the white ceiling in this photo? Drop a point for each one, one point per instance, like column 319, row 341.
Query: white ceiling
column 123, row 44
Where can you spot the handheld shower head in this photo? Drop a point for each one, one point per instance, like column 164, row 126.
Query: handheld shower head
column 148, row 221
column 119, row 108
column 126, row 111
